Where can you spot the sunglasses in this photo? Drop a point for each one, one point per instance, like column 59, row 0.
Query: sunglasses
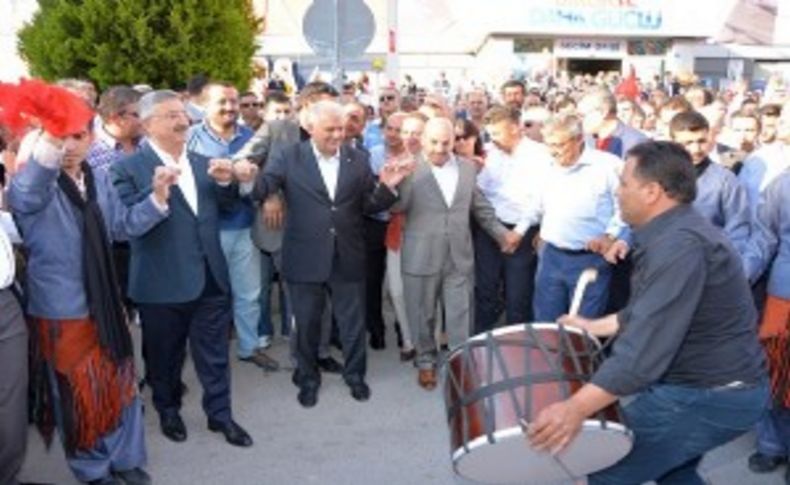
column 388, row 97
column 250, row 105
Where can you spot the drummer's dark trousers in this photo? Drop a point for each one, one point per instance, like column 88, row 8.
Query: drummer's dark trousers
column 13, row 387
column 675, row 426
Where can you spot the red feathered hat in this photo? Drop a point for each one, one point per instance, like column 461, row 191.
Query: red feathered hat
column 36, row 103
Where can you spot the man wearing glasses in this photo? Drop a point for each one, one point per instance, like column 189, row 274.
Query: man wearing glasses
column 389, row 100
column 120, row 132
column 250, row 110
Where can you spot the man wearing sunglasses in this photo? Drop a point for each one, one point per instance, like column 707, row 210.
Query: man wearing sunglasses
column 250, row 110
column 389, row 101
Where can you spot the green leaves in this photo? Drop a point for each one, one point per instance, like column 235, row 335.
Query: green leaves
column 158, row 42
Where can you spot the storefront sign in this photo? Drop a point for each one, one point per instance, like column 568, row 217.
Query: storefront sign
column 596, row 48
column 595, row 16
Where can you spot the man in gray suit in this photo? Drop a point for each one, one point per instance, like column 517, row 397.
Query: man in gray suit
column 437, row 256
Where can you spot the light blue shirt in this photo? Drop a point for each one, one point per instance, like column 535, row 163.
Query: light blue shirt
column 578, row 203
column 204, row 141
column 769, row 246
column 51, row 229
column 761, row 168
column 373, row 135
column 722, row 200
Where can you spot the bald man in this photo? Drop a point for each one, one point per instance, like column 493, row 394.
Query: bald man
column 437, row 257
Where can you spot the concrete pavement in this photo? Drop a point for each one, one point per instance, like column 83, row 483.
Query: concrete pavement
column 398, row 437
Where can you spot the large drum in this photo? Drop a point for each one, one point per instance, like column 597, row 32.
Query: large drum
column 499, row 378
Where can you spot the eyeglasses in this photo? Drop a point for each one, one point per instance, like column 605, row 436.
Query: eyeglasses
column 250, row 105
column 387, row 97
column 173, row 115
column 462, row 137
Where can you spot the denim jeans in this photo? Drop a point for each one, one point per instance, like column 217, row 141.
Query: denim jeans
column 773, row 432
column 675, row 426
column 244, row 267
column 269, row 265
column 555, row 282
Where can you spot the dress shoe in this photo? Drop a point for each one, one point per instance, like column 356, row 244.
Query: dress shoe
column 173, row 427
column 377, row 341
column 308, row 396
column 234, row 434
column 760, row 463
column 108, row 480
column 328, row 364
column 262, row 360
column 407, row 355
column 360, row 391
column 135, row 476
column 426, row 378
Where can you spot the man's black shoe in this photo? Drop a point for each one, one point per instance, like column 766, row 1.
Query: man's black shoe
column 173, row 427
column 760, row 463
column 377, row 341
column 135, row 476
column 234, row 434
column 328, row 364
column 360, row 391
column 308, row 396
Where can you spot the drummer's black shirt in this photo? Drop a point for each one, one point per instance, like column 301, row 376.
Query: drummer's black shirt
column 691, row 319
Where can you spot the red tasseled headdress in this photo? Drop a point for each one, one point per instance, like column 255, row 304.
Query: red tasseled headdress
column 36, row 103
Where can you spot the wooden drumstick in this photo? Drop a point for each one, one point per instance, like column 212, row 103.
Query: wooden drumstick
column 588, row 276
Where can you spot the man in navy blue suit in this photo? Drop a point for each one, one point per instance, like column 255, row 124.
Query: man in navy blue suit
column 178, row 275
column 328, row 187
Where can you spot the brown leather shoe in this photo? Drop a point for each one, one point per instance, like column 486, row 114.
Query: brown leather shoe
column 426, row 378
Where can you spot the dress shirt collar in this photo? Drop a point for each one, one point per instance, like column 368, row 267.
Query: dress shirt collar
column 450, row 163
column 321, row 158
column 168, row 159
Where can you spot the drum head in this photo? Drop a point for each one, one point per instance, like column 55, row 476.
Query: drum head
column 512, row 460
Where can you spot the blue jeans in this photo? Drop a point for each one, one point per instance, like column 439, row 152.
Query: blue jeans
column 555, row 281
column 244, row 266
column 675, row 426
column 269, row 265
column 773, row 432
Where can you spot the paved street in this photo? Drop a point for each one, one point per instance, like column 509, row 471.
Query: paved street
column 398, row 437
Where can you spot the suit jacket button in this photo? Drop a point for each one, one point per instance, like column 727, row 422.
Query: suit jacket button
column 334, row 208
column 332, row 230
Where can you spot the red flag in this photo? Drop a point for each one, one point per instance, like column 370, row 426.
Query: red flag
column 628, row 87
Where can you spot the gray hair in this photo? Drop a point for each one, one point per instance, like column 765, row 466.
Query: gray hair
column 565, row 123
column 602, row 98
column 116, row 99
column 323, row 109
column 150, row 100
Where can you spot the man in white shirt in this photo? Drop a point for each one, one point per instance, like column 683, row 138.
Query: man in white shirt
column 512, row 174
column 13, row 362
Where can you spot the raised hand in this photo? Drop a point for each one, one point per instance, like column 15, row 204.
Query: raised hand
column 395, row 170
column 164, row 178
column 221, row 170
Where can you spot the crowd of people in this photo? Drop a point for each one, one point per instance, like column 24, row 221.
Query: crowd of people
column 182, row 211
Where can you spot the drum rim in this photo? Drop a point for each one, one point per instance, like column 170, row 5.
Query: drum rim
column 513, row 431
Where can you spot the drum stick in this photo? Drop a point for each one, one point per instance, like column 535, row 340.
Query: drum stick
column 588, row 276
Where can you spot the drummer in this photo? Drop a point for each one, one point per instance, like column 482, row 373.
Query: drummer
column 686, row 345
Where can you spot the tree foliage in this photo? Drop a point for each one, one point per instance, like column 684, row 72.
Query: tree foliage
column 158, row 42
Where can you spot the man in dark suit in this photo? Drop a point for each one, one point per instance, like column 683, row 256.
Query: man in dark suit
column 327, row 188
column 178, row 275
